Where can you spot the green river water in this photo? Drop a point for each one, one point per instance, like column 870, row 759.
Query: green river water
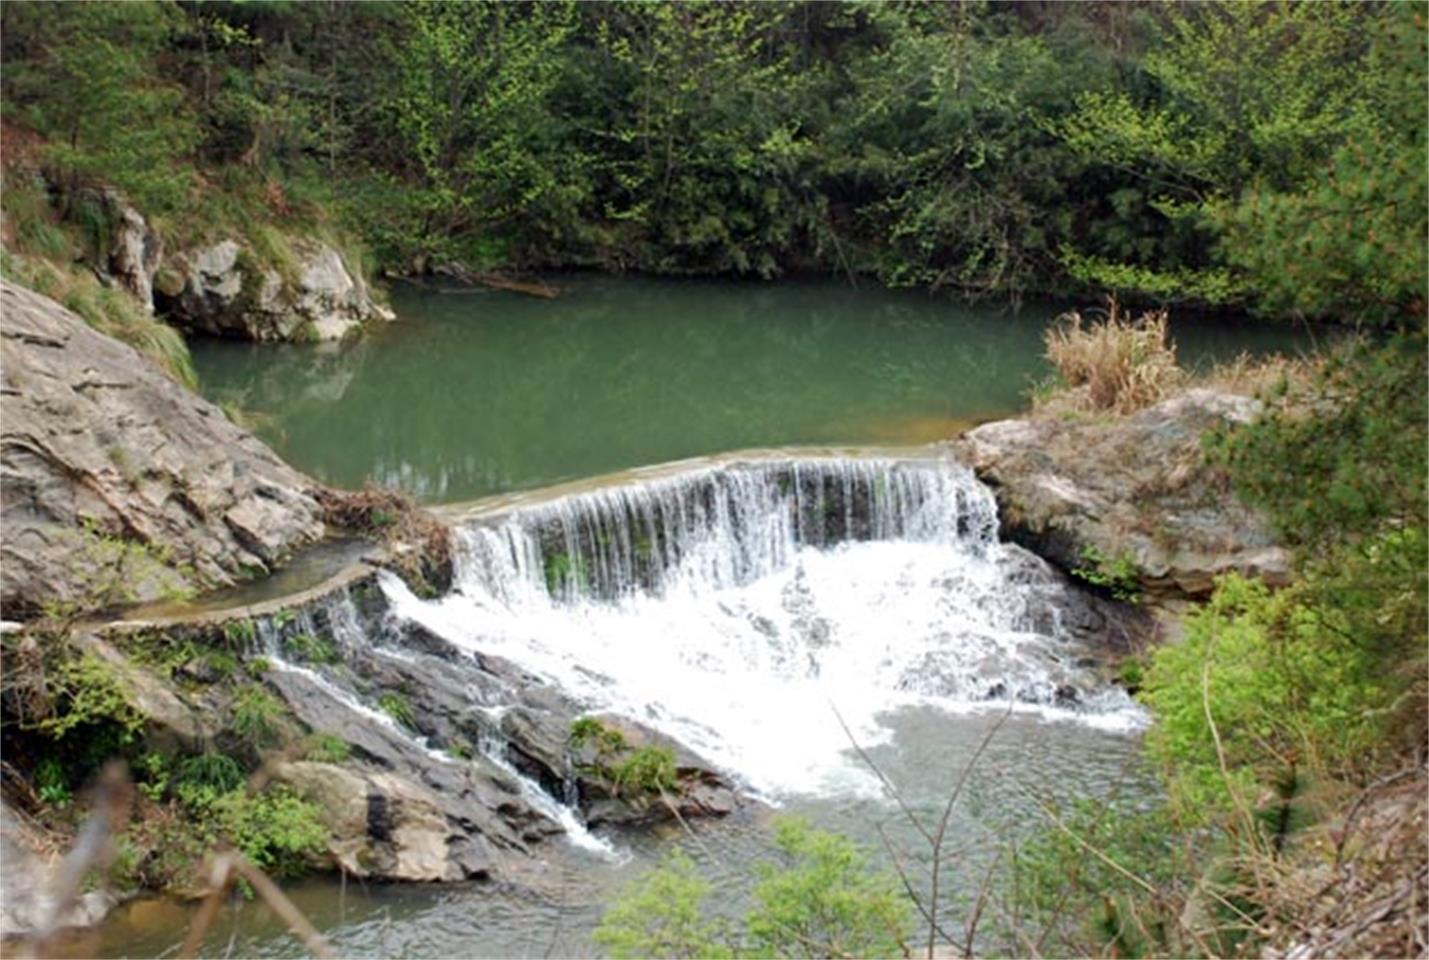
column 476, row 392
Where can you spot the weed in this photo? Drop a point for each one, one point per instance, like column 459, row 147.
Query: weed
column 311, row 648
column 51, row 784
column 326, row 748
column 255, row 714
column 398, row 707
column 1120, row 364
column 1119, row 576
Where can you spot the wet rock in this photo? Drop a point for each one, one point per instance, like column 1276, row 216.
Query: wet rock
column 224, row 290
column 98, row 448
column 1130, row 487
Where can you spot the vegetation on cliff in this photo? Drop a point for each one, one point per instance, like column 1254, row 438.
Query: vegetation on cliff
column 1208, row 153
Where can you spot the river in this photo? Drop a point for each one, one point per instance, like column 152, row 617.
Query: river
column 755, row 639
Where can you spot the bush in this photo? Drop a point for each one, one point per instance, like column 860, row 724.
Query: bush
column 1286, row 689
column 649, row 770
column 660, row 915
column 821, row 900
column 1118, row 364
column 277, row 830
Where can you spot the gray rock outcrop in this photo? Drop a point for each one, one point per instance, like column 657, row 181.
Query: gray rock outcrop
column 223, row 289
column 1129, row 488
column 135, row 251
column 118, row 484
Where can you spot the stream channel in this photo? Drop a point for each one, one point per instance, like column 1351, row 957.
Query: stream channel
column 749, row 605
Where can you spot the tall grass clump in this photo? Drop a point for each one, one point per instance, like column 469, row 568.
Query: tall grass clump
column 108, row 310
column 1118, row 364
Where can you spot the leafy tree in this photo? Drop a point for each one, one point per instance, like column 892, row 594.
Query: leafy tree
column 84, row 76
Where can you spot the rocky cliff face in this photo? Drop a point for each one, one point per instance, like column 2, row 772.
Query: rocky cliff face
column 223, row 289
column 117, row 483
column 1130, row 489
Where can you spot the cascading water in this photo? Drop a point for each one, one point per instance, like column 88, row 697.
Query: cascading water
column 737, row 606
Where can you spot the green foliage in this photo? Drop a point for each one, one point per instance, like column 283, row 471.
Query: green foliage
column 820, row 900
column 51, row 784
column 659, row 915
column 824, row 901
column 1262, row 683
column 255, row 714
column 215, row 772
column 85, row 693
column 240, row 633
column 85, row 77
column 277, row 830
column 1344, row 455
column 255, row 667
column 311, row 648
column 589, row 731
column 649, row 770
column 1119, row 576
column 398, row 707
column 326, row 748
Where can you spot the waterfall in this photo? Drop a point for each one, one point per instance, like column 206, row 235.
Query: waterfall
column 735, row 606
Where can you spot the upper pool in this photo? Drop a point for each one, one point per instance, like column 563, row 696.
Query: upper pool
column 474, row 392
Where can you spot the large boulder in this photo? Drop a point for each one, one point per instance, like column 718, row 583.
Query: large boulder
column 386, row 826
column 226, row 290
column 1128, row 489
column 117, row 483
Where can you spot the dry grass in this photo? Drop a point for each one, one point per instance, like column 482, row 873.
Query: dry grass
column 1116, row 364
column 418, row 545
column 109, row 310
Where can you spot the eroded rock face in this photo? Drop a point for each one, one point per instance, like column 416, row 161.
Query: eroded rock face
column 136, row 250
column 222, row 289
column 1130, row 487
column 99, row 450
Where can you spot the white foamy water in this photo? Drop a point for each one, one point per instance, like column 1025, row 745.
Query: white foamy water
column 736, row 608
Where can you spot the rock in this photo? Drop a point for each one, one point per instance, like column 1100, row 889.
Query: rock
column 222, row 289
column 384, row 826
column 135, row 252
column 1132, row 487
column 170, row 722
column 27, row 906
column 118, row 484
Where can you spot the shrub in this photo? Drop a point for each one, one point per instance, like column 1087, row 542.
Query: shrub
column 649, row 769
column 821, row 900
column 1286, row 688
column 824, row 900
column 311, row 648
column 660, row 915
column 1118, row 576
column 277, row 830
column 1118, row 364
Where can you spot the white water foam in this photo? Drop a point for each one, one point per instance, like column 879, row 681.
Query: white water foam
column 724, row 610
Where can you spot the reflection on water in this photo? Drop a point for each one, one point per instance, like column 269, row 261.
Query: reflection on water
column 481, row 392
